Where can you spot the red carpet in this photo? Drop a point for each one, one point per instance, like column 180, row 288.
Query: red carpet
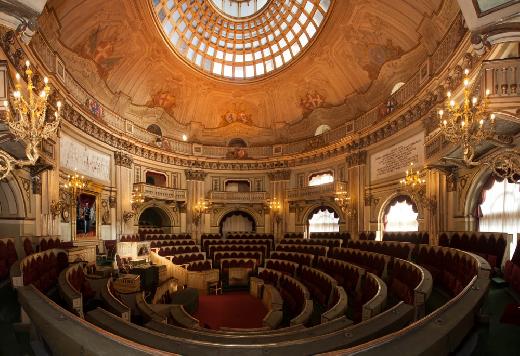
column 511, row 314
column 232, row 310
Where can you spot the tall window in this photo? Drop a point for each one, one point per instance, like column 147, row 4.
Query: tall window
column 401, row 217
column 321, row 178
column 500, row 210
column 324, row 221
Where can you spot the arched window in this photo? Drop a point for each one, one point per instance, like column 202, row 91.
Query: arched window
column 323, row 220
column 321, row 178
column 237, row 142
column 155, row 129
column 401, row 215
column 396, row 87
column 499, row 209
column 321, row 129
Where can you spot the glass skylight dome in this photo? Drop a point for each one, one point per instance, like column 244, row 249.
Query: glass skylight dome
column 239, row 8
column 240, row 39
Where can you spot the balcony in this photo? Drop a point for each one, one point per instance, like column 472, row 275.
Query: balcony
column 316, row 192
column 160, row 193
column 237, row 197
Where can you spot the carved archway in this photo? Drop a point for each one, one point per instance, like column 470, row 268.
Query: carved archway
column 232, row 213
column 391, row 200
column 167, row 216
column 217, row 219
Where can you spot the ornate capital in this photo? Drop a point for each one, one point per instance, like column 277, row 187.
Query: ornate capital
column 357, row 158
column 193, row 174
column 282, row 174
column 123, row 159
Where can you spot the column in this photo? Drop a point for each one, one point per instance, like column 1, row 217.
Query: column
column 124, row 182
column 279, row 182
column 195, row 194
column 356, row 168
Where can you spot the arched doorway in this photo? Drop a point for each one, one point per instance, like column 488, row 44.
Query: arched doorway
column 237, row 221
column 154, row 217
column 400, row 214
column 323, row 219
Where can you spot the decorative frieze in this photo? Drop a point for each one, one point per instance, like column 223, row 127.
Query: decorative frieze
column 123, row 159
column 193, row 174
column 282, row 174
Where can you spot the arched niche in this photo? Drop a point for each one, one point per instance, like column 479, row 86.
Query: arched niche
column 15, row 205
column 244, row 222
column 219, row 215
column 159, row 214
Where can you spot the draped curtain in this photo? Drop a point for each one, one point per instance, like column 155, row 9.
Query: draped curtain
column 237, row 223
column 499, row 209
column 324, row 220
column 401, row 216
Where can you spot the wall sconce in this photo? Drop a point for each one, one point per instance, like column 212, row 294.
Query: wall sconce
column 415, row 186
column 342, row 199
column 136, row 201
column 200, row 208
column 275, row 206
column 57, row 208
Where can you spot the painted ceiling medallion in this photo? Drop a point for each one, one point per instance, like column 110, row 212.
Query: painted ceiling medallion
column 240, row 39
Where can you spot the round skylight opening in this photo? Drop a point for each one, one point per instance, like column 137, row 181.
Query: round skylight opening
column 240, row 40
column 239, row 9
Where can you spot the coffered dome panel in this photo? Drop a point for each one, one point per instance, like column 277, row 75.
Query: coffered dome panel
column 240, row 39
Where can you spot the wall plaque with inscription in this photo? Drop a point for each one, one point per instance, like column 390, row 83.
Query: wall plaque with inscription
column 396, row 159
column 87, row 161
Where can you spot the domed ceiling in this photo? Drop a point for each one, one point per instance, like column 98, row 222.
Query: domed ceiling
column 277, row 69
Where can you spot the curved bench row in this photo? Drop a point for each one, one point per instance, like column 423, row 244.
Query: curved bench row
column 390, row 321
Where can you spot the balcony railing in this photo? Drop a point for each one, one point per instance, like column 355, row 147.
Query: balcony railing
column 161, row 193
column 316, row 191
column 238, row 197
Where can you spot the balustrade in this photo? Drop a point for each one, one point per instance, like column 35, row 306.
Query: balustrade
column 161, row 193
column 238, row 196
column 316, row 191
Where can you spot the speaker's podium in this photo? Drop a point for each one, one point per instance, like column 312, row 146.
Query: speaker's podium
column 149, row 275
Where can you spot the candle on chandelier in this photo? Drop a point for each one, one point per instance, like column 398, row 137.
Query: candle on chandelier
column 27, row 64
column 488, row 92
column 492, row 117
column 466, row 71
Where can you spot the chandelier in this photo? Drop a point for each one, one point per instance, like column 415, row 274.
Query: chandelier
column 342, row 198
column 28, row 121
column 75, row 183
column 412, row 181
column 467, row 123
